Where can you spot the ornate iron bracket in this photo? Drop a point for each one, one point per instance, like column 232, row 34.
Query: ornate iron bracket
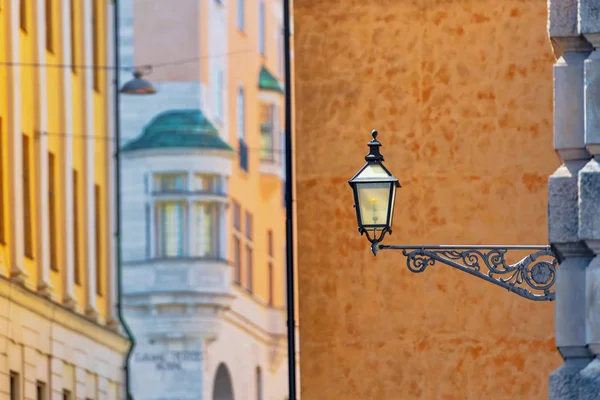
column 532, row 277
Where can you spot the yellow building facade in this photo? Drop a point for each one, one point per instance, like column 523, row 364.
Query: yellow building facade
column 57, row 268
column 461, row 94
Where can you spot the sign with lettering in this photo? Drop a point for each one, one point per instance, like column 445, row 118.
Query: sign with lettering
column 175, row 375
column 169, row 361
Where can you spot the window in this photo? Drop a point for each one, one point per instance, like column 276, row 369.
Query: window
column 185, row 228
column 96, row 45
column 270, row 265
column 241, row 117
column 52, row 210
column 267, row 130
column 237, row 217
column 170, row 228
column 259, row 388
column 76, row 266
column 2, row 222
column 219, row 95
column 147, row 212
column 27, row 218
column 261, row 28
column 49, row 26
column 207, row 183
column 169, row 183
column 15, row 392
column 249, row 273
column 66, row 394
column 240, row 14
column 280, row 51
column 98, row 238
column 248, row 225
column 270, row 283
column 237, row 242
column 23, row 15
column 40, row 390
column 237, row 259
column 270, row 243
column 207, row 229
column 73, row 38
column 249, row 264
column 241, row 129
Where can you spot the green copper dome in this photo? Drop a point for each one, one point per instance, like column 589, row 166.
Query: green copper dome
column 267, row 81
column 179, row 129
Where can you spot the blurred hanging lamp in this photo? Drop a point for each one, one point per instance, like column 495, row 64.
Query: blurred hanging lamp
column 138, row 85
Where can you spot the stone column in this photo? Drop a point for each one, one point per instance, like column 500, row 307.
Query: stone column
column 563, row 198
column 589, row 193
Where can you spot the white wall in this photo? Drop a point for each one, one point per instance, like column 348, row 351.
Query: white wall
column 242, row 350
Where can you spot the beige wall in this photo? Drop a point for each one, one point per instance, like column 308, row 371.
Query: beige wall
column 461, row 93
column 167, row 32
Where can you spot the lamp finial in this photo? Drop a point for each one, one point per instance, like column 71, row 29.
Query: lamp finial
column 374, row 154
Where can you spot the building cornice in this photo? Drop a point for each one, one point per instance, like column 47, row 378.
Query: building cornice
column 70, row 320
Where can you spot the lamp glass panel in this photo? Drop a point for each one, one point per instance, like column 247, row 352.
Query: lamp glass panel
column 393, row 189
column 373, row 202
column 373, row 171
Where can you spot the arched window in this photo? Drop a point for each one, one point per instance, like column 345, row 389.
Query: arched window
column 223, row 388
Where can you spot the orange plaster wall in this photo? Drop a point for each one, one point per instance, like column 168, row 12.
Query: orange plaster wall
column 461, row 93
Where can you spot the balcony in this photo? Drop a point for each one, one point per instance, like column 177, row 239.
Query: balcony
column 271, row 158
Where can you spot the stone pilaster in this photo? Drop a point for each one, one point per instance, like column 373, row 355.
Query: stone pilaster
column 571, row 50
column 67, row 165
column 91, row 308
column 41, row 152
column 589, row 193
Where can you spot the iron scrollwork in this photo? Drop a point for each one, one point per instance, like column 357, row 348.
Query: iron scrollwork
column 533, row 277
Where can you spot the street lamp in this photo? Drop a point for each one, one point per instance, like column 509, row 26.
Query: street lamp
column 138, row 85
column 374, row 189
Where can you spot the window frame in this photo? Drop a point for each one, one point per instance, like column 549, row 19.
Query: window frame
column 157, row 182
column 161, row 244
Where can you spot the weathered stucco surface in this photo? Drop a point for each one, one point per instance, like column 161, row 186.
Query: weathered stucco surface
column 461, row 93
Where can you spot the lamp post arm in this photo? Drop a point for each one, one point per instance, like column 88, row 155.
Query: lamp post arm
column 533, row 277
